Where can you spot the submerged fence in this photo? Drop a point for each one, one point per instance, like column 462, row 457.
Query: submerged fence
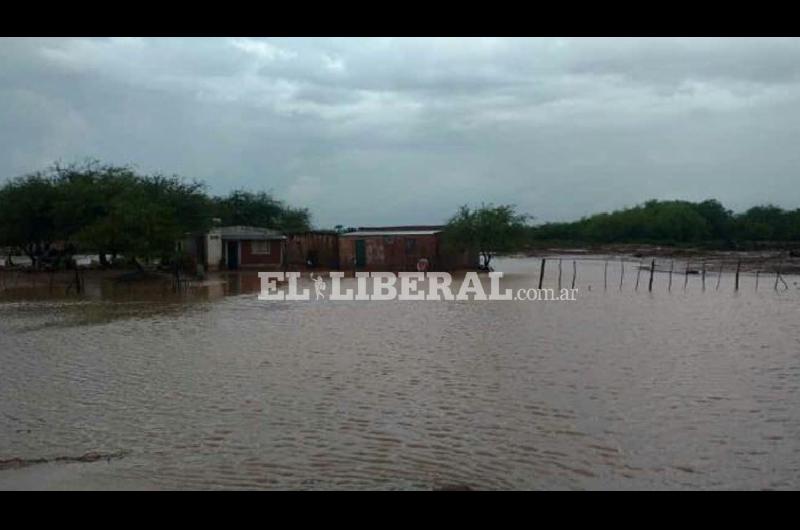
column 647, row 274
column 651, row 267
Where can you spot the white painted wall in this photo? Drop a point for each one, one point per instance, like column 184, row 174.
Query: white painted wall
column 213, row 251
column 19, row 261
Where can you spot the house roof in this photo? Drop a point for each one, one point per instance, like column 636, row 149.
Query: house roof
column 379, row 233
column 246, row 232
column 400, row 228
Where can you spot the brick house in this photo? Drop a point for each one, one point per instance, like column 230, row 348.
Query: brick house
column 399, row 248
column 234, row 247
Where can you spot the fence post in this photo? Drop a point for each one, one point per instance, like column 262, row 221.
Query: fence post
column 638, row 274
column 574, row 272
column 779, row 277
column 686, row 275
column 671, row 268
column 704, row 276
column 541, row 273
column 559, row 274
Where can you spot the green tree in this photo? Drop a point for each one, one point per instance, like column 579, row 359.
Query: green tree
column 762, row 223
column 147, row 216
column 719, row 218
column 100, row 208
column 82, row 212
column 27, row 223
column 260, row 209
column 487, row 230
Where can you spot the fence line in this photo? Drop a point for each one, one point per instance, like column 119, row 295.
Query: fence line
column 736, row 269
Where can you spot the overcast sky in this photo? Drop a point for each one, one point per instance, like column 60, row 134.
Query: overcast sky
column 402, row 131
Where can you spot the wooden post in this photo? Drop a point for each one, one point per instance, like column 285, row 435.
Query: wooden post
column 719, row 275
column 704, row 276
column 621, row 271
column 652, row 269
column 758, row 272
column 778, row 277
column 671, row 268
column 559, row 274
column 738, row 268
column 638, row 273
column 605, row 276
column 574, row 272
column 541, row 273
column 686, row 275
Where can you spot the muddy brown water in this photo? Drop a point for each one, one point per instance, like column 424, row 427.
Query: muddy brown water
column 618, row 389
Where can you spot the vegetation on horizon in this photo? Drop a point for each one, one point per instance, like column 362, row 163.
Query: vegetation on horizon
column 678, row 222
column 491, row 230
column 114, row 210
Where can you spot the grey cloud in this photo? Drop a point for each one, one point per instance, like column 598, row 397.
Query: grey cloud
column 370, row 131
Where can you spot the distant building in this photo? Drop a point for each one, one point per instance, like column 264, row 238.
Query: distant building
column 400, row 248
column 388, row 248
column 234, row 247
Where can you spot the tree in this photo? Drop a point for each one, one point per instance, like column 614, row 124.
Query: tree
column 763, row 223
column 487, row 230
column 719, row 218
column 261, row 209
column 82, row 213
column 294, row 220
column 107, row 209
column 146, row 216
column 654, row 221
column 26, row 215
column 100, row 208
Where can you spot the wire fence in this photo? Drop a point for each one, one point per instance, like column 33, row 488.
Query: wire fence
column 650, row 273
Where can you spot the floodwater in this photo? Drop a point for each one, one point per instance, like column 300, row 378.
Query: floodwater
column 619, row 389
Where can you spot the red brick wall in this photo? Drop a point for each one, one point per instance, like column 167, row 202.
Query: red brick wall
column 390, row 253
column 323, row 246
column 249, row 259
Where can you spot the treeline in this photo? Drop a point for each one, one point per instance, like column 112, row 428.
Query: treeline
column 114, row 210
column 676, row 222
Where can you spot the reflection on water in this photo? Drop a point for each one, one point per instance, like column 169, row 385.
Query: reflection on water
column 619, row 389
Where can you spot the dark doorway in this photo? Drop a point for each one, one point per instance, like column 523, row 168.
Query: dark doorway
column 361, row 253
column 233, row 255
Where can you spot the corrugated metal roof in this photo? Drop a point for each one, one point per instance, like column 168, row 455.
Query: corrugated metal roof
column 246, row 232
column 379, row 233
column 399, row 228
